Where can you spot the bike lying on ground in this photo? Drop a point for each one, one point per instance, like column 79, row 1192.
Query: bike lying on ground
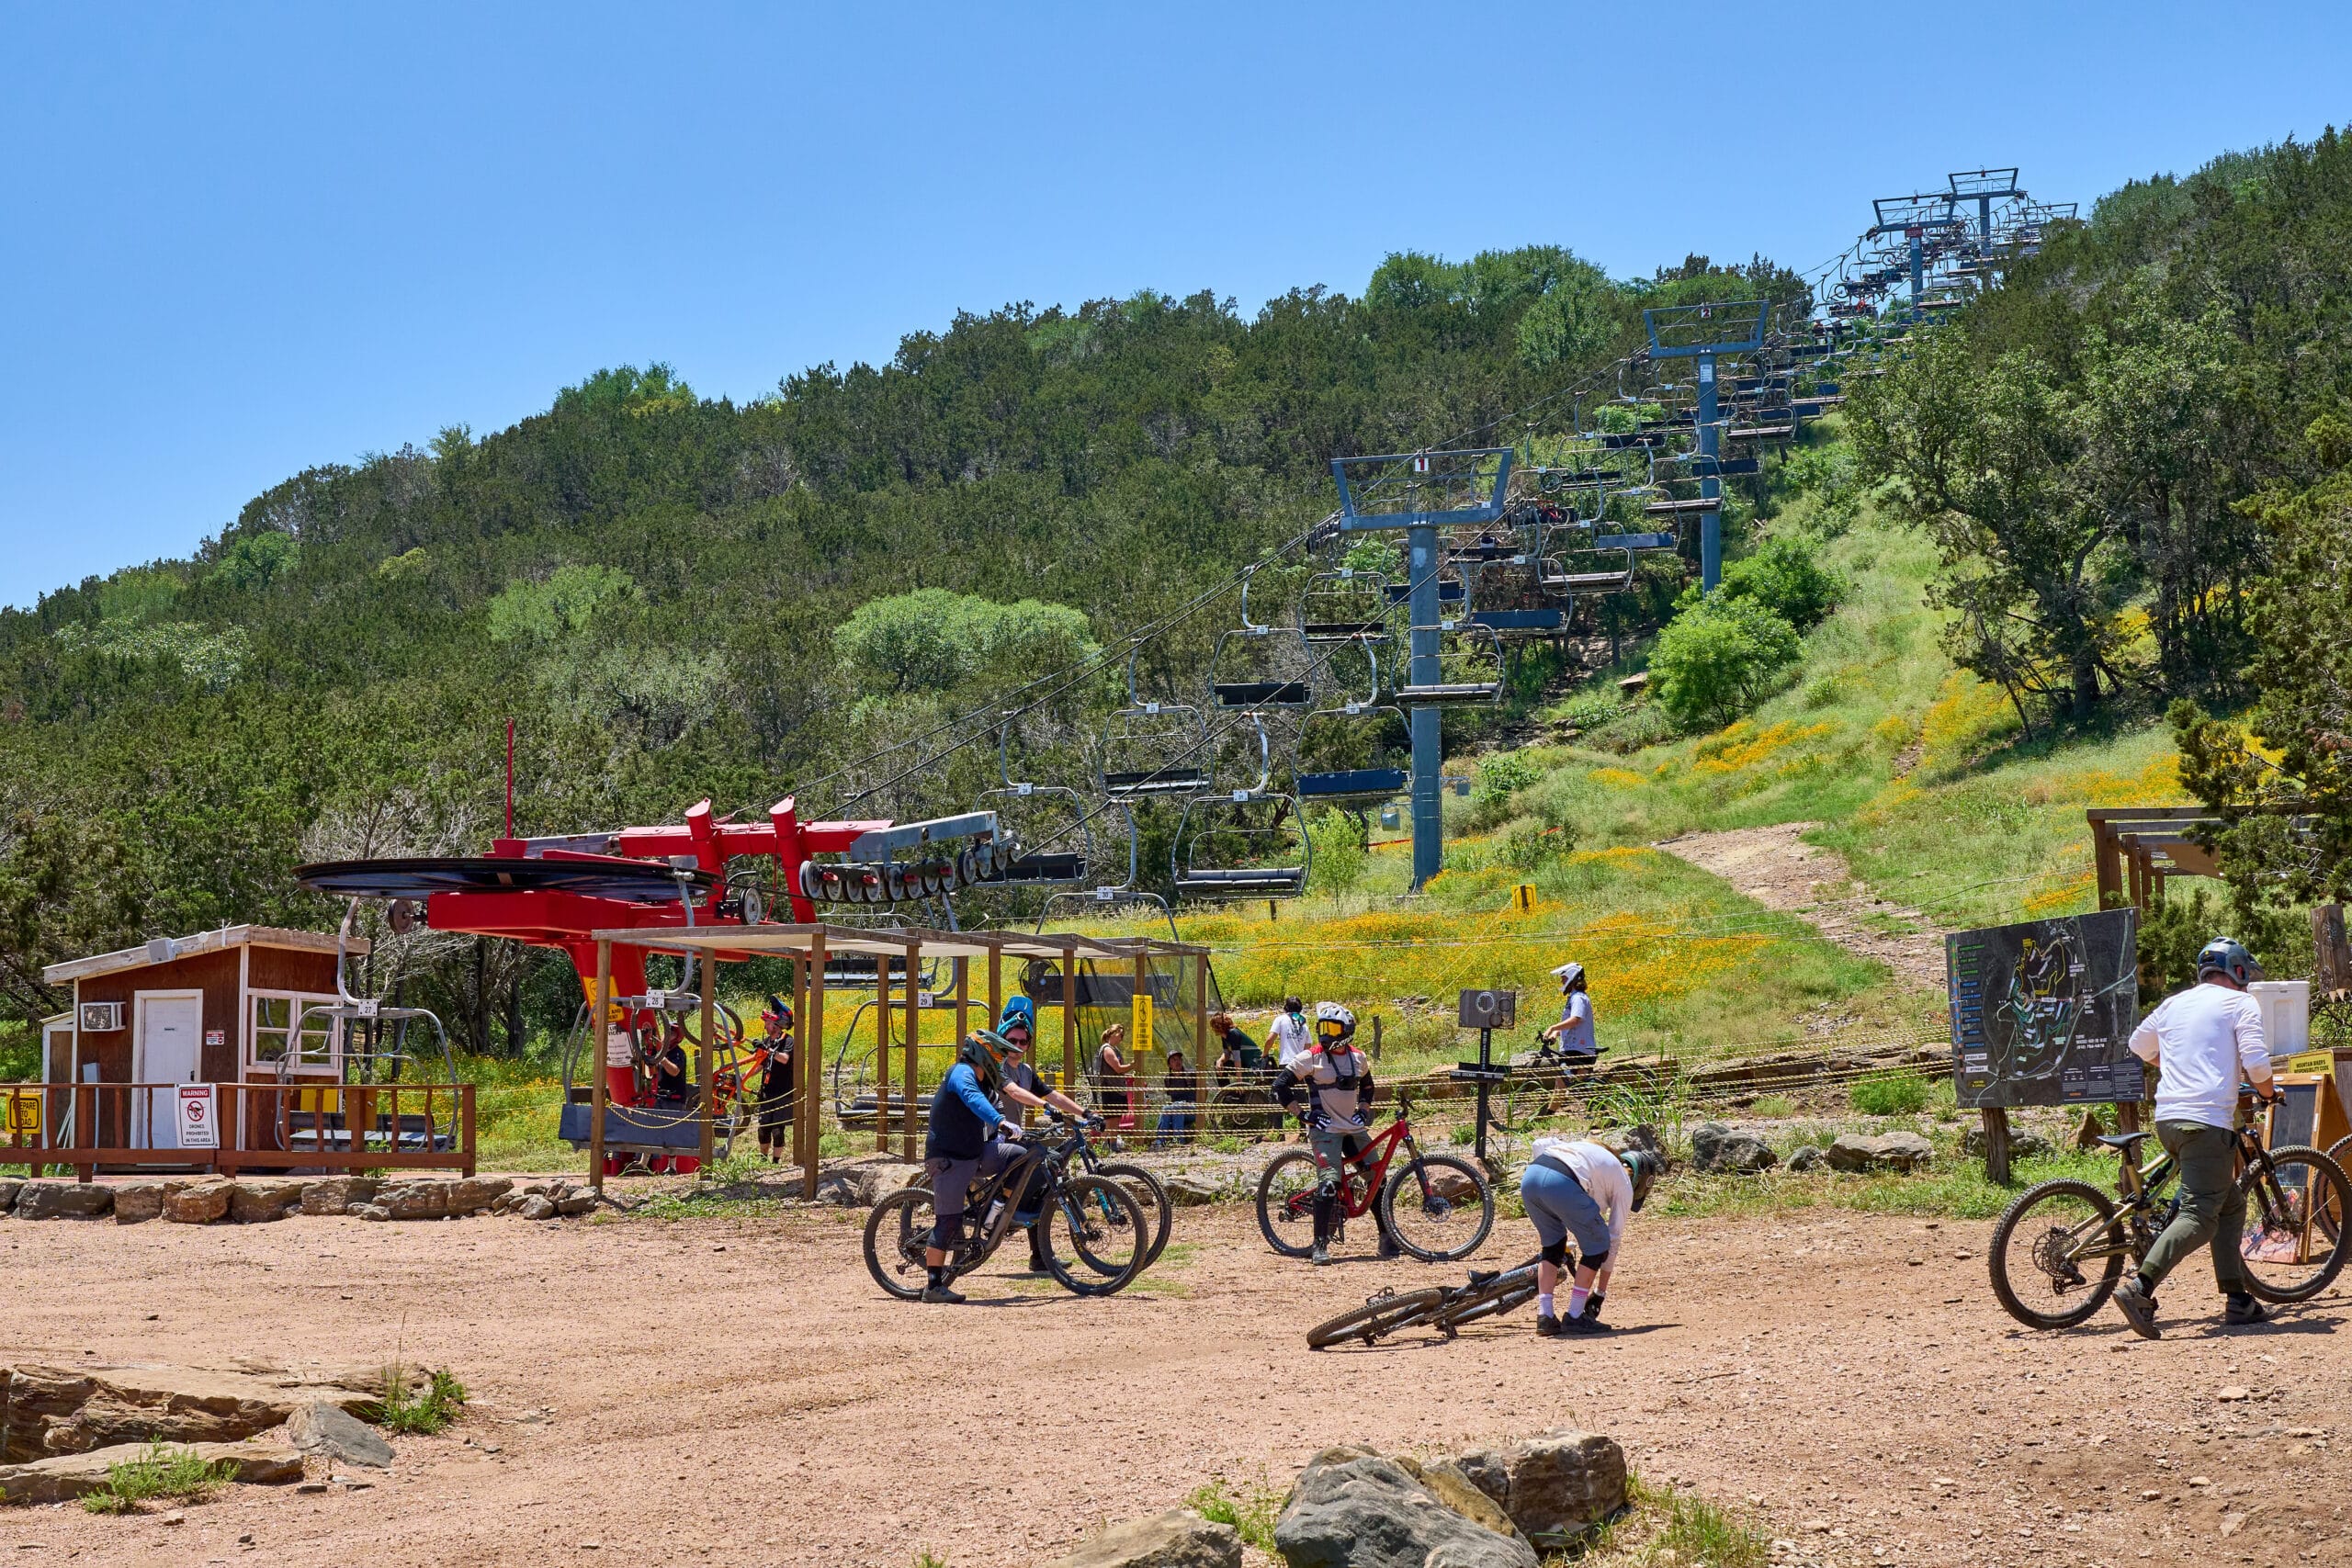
column 1107, row 1232
column 2058, row 1252
column 1445, row 1308
column 1439, row 1207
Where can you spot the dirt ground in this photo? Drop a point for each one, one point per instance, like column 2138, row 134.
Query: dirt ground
column 738, row 1391
column 1781, row 870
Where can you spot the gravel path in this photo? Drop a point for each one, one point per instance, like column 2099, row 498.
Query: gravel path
column 1775, row 867
column 737, row 1391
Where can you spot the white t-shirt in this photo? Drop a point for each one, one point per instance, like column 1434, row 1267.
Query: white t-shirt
column 2205, row 1040
column 1290, row 1038
column 1602, row 1175
column 1576, row 1039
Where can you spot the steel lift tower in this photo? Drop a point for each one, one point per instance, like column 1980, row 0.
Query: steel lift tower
column 1700, row 333
column 1911, row 217
column 1419, row 494
column 1986, row 187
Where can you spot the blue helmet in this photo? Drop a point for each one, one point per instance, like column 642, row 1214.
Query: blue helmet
column 1019, row 1011
column 2227, row 956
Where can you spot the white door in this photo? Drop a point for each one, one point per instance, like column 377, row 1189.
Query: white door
column 169, row 1050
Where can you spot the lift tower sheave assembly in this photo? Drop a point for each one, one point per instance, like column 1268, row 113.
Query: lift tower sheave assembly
column 1418, row 494
column 1702, row 332
column 1911, row 217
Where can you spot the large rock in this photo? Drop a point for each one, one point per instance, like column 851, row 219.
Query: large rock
column 135, row 1202
column 1192, row 1192
column 55, row 1410
column 9, row 1187
column 336, row 1194
column 1564, row 1482
column 1451, row 1486
column 576, row 1204
column 1641, row 1135
column 862, row 1185
column 1809, row 1158
column 1177, row 1538
column 1490, row 1474
column 200, row 1203
column 322, row 1427
column 63, row 1200
column 536, row 1206
column 441, row 1199
column 1369, row 1512
column 1718, row 1149
column 65, row 1476
column 2023, row 1144
column 254, row 1202
column 1891, row 1151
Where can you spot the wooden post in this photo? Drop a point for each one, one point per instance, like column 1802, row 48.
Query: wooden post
column 599, row 1032
column 814, row 1031
column 466, row 1125
column 964, row 1002
column 1200, row 1013
column 1376, row 1037
column 1996, row 1145
column 2127, row 1116
column 2332, row 974
column 1069, row 1019
column 709, row 1108
column 996, row 997
column 914, row 1043
column 882, row 1053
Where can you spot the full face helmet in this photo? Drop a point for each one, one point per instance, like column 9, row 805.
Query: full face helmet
column 1335, row 1026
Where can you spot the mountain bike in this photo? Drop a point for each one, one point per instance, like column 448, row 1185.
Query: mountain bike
column 1107, row 1232
column 1149, row 1191
column 1445, row 1308
column 1538, row 1090
column 1439, row 1207
column 2058, row 1252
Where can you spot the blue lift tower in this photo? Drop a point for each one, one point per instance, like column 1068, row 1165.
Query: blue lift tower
column 1911, row 217
column 1986, row 187
column 1700, row 333
column 1418, row 493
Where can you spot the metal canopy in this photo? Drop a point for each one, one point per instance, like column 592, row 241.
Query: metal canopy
column 895, row 942
column 596, row 876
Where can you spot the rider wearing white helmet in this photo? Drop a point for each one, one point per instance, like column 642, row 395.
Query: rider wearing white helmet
column 1337, row 1081
column 1574, row 1034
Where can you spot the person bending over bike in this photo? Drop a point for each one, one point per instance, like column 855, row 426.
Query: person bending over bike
column 1025, row 1086
column 970, row 1140
column 1339, row 1090
column 1586, row 1191
column 2201, row 1040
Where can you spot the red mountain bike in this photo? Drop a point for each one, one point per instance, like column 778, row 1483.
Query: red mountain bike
column 1439, row 1207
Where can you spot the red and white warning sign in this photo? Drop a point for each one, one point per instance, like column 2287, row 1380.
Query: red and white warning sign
column 200, row 1124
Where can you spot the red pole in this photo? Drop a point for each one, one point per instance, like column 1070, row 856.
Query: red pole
column 509, row 778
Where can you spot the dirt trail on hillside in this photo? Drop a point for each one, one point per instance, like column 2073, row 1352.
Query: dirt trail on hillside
column 737, row 1391
column 1780, row 871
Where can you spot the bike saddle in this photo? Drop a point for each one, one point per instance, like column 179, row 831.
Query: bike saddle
column 1483, row 1276
column 2120, row 1140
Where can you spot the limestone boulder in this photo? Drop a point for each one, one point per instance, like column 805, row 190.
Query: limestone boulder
column 576, row 1204
column 369, row 1211
column 62, row 1477
column 320, row 1427
column 2023, row 1144
column 52, row 1410
column 255, row 1202
column 1488, row 1472
column 1809, row 1158
column 63, row 1200
column 441, row 1199
column 1451, row 1486
column 1370, row 1512
column 860, row 1186
column 336, row 1194
column 9, row 1187
column 1564, row 1482
column 1177, row 1538
column 198, row 1203
column 1721, row 1150
column 135, row 1202
column 536, row 1207
column 1856, row 1152
column 1192, row 1192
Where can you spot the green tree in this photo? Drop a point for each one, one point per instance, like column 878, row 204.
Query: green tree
column 1718, row 658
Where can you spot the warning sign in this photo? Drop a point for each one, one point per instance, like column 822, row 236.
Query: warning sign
column 23, row 1113
column 200, row 1126
column 1139, row 1030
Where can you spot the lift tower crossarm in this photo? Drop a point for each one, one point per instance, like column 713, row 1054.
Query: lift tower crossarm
column 1701, row 332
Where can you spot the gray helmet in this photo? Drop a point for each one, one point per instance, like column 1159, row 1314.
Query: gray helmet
column 1644, row 1167
column 2227, row 956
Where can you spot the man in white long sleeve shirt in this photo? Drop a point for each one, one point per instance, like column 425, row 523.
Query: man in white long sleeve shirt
column 2205, row 1040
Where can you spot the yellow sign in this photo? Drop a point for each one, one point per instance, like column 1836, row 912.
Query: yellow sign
column 2309, row 1062
column 1139, row 1031
column 23, row 1113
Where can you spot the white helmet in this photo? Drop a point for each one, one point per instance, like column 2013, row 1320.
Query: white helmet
column 1569, row 975
column 1334, row 1024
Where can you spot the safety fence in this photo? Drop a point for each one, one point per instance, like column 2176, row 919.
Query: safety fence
column 227, row 1128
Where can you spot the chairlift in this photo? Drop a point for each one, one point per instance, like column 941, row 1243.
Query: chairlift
column 1344, row 606
column 1152, row 748
column 1253, row 668
column 1470, row 666
column 367, row 1044
column 1105, row 898
column 1247, row 844
column 1043, row 834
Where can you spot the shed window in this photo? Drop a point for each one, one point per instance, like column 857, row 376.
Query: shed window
column 274, row 1015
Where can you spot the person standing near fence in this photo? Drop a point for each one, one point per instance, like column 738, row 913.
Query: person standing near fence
column 1182, row 1090
column 775, row 1080
column 1574, row 1035
column 1111, row 1070
column 1288, row 1035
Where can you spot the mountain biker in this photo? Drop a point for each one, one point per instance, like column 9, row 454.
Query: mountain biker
column 970, row 1140
column 1288, row 1034
column 1337, row 1081
column 1586, row 1191
column 1574, row 1034
column 775, row 1079
column 2201, row 1041
column 1025, row 1086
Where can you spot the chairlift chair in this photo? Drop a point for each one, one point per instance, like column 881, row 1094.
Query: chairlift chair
column 1254, row 668
column 1154, row 748
column 1118, row 889
column 1044, row 837
column 360, row 1054
column 1470, row 666
column 1344, row 606
column 1247, row 844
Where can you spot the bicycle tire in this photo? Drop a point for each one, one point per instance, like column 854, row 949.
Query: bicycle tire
column 1159, row 1208
column 1523, row 1102
column 1097, row 1271
column 1291, row 1247
column 1413, row 1172
column 2339, row 1206
column 1492, row 1299
column 1381, row 1315
column 892, row 1277
column 2100, row 1288
column 1243, row 1111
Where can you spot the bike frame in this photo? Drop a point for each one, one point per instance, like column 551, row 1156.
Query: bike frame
column 1373, row 1160
column 2139, row 1187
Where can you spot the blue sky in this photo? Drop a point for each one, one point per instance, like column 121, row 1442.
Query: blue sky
column 239, row 240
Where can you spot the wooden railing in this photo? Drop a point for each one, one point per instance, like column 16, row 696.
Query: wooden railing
column 297, row 1125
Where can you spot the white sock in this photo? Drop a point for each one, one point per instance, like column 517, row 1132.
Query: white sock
column 1578, row 1295
column 1544, row 1304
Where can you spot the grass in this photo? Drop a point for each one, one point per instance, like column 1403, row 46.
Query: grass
column 1251, row 1513
column 1889, row 1094
column 429, row 1411
column 160, row 1472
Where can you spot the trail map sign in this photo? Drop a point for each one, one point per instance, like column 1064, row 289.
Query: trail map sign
column 2042, row 1013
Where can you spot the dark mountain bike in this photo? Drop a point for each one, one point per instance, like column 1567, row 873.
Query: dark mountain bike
column 1149, row 1191
column 1445, row 1308
column 1539, row 1089
column 1106, row 1231
column 2058, row 1252
column 1439, row 1207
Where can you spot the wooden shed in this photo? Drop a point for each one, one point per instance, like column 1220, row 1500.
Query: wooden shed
column 219, row 1008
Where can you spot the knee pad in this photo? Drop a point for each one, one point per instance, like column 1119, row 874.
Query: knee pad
column 1595, row 1261
column 947, row 1231
column 1556, row 1254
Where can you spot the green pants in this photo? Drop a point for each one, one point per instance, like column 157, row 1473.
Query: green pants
column 2213, row 1209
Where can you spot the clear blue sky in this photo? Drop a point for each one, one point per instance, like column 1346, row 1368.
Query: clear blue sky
column 239, row 240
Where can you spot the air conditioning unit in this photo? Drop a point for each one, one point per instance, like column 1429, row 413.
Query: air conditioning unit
column 101, row 1018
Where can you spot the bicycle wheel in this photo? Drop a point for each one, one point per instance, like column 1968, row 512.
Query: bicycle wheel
column 2039, row 1249
column 1152, row 1197
column 1520, row 1103
column 2295, row 1218
column 1439, row 1208
column 1107, row 1232
column 1381, row 1315
column 1243, row 1111
column 1507, row 1293
column 896, row 1232
column 1287, row 1203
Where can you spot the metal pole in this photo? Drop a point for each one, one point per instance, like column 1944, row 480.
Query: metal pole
column 1485, row 1085
column 882, row 1053
column 1429, row 745
column 1711, row 524
column 705, row 1139
column 1069, row 1018
column 914, row 1043
column 812, row 1039
column 599, row 1035
column 1918, row 267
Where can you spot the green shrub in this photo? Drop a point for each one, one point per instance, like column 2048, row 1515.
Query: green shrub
column 1787, row 579
column 1500, row 775
column 1718, row 658
column 1588, row 710
column 1250, row 1517
column 160, row 1471
column 1529, row 846
column 1889, row 1094
column 20, row 1052
column 1341, row 854
column 406, row 1410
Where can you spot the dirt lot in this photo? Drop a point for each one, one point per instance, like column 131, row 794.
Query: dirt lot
column 732, row 1391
